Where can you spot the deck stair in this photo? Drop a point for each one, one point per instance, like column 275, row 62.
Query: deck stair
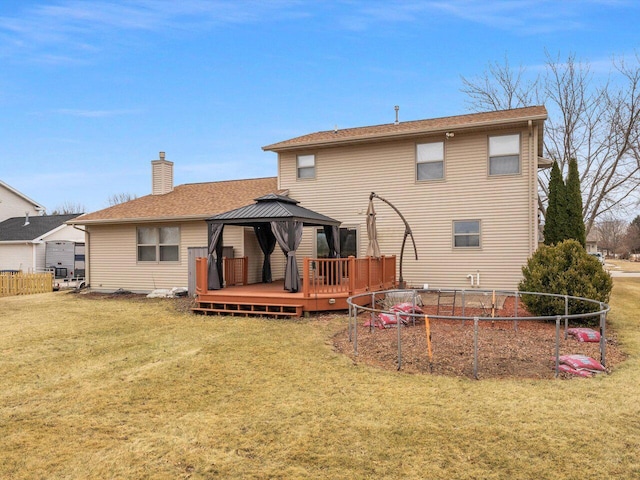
column 247, row 309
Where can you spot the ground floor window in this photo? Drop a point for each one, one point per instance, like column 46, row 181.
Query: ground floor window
column 348, row 243
column 158, row 244
column 466, row 233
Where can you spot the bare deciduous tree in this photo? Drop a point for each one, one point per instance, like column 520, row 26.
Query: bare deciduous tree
column 611, row 234
column 118, row 198
column 69, row 207
column 500, row 88
column 599, row 125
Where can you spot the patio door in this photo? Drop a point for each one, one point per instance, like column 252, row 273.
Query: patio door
column 348, row 243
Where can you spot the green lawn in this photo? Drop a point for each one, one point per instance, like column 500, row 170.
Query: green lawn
column 135, row 389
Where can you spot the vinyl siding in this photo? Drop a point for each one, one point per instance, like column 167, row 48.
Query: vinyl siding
column 16, row 257
column 504, row 205
column 113, row 256
column 11, row 205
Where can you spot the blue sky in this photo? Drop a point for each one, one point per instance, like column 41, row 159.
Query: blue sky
column 91, row 91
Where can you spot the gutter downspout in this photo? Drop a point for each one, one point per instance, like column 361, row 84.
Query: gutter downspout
column 87, row 255
column 34, row 257
column 534, row 184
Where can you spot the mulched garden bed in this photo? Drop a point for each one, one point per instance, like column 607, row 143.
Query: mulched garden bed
column 505, row 350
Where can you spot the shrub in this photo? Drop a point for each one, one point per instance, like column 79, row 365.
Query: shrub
column 564, row 269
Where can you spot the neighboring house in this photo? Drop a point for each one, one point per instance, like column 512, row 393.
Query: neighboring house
column 592, row 242
column 467, row 186
column 15, row 204
column 145, row 243
column 23, row 240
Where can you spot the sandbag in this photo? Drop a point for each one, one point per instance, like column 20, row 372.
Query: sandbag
column 584, row 334
column 580, row 373
column 582, row 362
column 406, row 307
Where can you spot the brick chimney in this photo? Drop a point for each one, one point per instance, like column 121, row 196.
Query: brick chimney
column 161, row 176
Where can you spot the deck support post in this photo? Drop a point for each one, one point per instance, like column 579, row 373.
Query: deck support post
column 201, row 275
column 306, row 278
column 352, row 274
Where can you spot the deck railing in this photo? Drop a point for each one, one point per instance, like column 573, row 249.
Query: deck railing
column 319, row 275
column 25, row 283
column 236, row 271
column 347, row 275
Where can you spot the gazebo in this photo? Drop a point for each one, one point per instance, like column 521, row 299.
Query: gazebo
column 274, row 218
column 326, row 283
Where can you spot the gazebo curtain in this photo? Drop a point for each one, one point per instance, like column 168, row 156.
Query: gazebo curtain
column 332, row 234
column 289, row 236
column 214, row 260
column 267, row 242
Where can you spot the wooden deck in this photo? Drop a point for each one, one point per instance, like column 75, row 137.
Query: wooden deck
column 326, row 285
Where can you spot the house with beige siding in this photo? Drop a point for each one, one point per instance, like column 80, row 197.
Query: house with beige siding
column 144, row 244
column 467, row 185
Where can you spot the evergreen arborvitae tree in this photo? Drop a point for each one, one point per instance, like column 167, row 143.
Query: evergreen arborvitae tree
column 575, row 224
column 556, row 217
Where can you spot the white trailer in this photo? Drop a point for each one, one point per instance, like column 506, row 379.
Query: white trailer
column 66, row 259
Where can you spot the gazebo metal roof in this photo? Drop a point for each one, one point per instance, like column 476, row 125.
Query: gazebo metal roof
column 272, row 207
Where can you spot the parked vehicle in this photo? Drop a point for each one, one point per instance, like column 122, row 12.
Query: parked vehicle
column 599, row 256
column 66, row 260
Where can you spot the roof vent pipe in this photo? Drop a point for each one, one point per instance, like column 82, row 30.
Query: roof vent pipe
column 26, row 219
column 397, row 108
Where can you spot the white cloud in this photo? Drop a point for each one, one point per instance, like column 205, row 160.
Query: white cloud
column 526, row 17
column 75, row 26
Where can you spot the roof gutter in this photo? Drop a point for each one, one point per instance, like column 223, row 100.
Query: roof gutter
column 21, row 242
column 111, row 221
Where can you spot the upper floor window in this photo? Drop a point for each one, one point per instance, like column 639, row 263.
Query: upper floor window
column 306, row 166
column 466, row 233
column 430, row 161
column 158, row 244
column 504, row 154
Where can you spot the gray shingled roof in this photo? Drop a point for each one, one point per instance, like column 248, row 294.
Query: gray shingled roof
column 14, row 229
column 272, row 207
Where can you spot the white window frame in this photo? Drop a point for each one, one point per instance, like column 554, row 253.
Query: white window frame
column 305, row 166
column 159, row 247
column 429, row 153
column 468, row 235
column 504, row 154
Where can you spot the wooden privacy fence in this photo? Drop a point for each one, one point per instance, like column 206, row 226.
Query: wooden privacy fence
column 25, row 283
